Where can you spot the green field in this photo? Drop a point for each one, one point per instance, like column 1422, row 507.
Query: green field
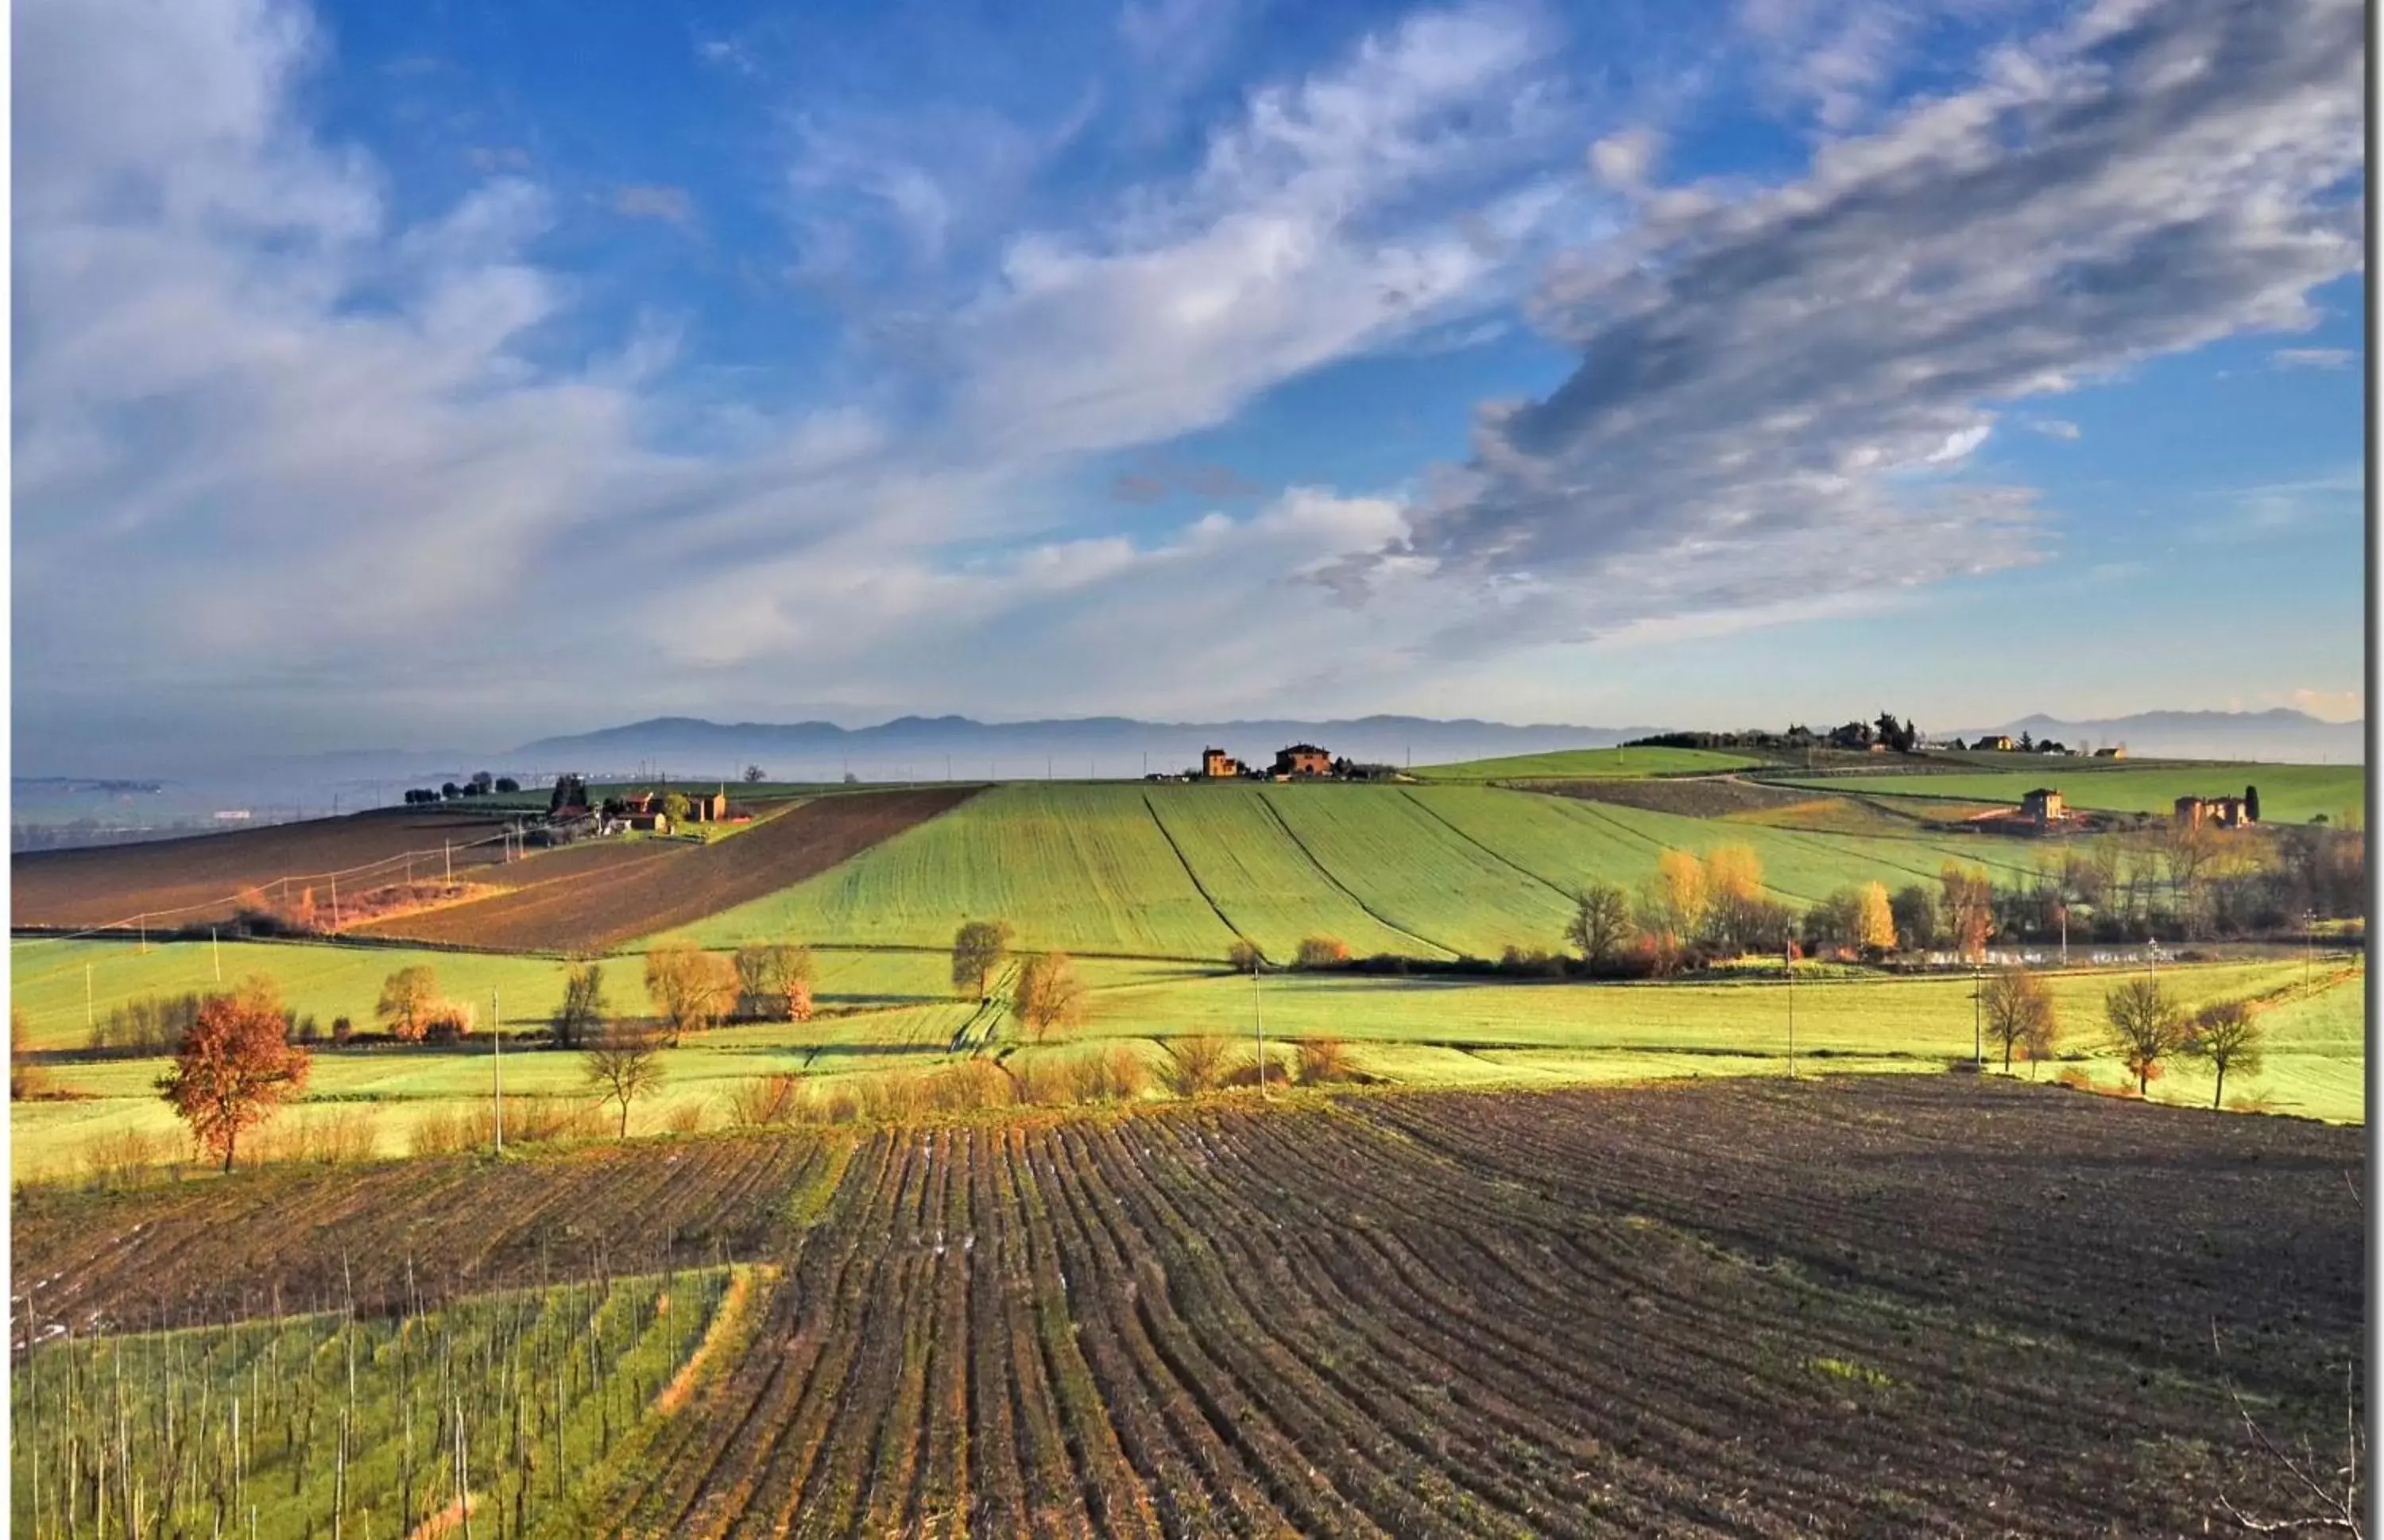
column 1183, row 871
column 2289, row 793
column 1410, row 1031
column 1569, row 764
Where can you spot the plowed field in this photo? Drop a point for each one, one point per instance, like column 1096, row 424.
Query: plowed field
column 199, row 878
column 1877, row 1306
column 660, row 884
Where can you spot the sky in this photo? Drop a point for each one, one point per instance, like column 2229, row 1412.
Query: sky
column 454, row 374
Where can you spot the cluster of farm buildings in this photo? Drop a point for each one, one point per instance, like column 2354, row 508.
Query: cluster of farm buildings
column 1294, row 761
column 2043, row 811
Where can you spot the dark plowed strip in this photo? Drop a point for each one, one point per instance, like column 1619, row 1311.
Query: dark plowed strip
column 595, row 910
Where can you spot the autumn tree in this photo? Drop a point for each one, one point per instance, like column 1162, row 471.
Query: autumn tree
column 1047, row 994
column 234, row 1067
column 581, row 1014
column 1672, row 903
column 408, row 998
column 774, row 980
column 25, row 1078
column 691, row 989
column 1969, row 907
column 675, row 807
column 2226, row 1035
column 2018, row 1011
column 979, row 948
column 1244, row 957
column 2145, row 1027
column 1737, row 913
column 1601, row 922
column 623, row 1062
column 1874, row 922
column 1320, row 952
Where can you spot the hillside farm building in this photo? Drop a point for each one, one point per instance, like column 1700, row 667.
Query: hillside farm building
column 1998, row 742
column 1219, row 765
column 2118, row 751
column 1302, row 759
column 2225, row 812
column 2042, row 806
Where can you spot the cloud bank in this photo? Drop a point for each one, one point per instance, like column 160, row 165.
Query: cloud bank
column 288, row 461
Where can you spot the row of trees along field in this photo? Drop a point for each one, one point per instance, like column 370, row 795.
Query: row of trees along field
column 2191, row 884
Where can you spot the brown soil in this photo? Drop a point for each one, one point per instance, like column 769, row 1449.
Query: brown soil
column 590, row 898
column 201, row 878
column 1910, row 1305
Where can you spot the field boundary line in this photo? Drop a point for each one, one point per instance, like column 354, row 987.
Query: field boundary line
column 1349, row 892
column 1183, row 861
column 1443, row 821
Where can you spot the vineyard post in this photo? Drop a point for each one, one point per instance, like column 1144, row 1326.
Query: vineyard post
column 496, row 1051
column 87, row 1019
column 1788, row 963
column 215, row 944
column 448, row 849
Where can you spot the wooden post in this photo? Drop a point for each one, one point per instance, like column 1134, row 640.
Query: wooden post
column 497, row 1049
column 1788, row 960
column 1257, row 1021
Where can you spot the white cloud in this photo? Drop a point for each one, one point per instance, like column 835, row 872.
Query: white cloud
column 1762, row 369
column 2054, row 427
column 2309, row 358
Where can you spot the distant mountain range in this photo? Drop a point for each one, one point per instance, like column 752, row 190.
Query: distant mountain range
column 919, row 747
column 2281, row 735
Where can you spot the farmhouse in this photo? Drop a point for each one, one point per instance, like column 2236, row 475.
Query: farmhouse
column 1219, row 765
column 1999, row 742
column 2117, row 751
column 2042, row 806
column 1303, row 760
column 2225, row 812
column 709, row 807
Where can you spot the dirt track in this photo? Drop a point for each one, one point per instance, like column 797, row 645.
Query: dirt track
column 599, row 896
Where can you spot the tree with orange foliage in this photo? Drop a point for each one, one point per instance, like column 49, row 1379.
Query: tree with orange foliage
column 234, row 1067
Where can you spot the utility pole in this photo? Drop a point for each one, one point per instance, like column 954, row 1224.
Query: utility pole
column 87, row 1017
column 2309, row 949
column 335, row 900
column 448, row 846
column 215, row 943
column 1788, row 962
column 496, row 1051
column 1977, row 1018
column 1257, row 1021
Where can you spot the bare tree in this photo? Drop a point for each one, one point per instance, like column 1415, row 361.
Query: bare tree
column 978, row 949
column 582, row 1011
column 2226, row 1035
column 1601, row 922
column 2146, row 1027
column 2018, row 1014
column 1047, row 993
column 624, row 1063
column 407, row 999
column 691, row 989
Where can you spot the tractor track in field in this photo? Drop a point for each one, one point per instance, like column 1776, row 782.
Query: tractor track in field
column 1347, row 891
column 1495, row 855
column 1182, row 860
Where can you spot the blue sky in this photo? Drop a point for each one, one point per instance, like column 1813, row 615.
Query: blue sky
column 456, row 374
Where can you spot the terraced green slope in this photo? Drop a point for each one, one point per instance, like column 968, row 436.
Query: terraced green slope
column 1183, row 871
column 1586, row 764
